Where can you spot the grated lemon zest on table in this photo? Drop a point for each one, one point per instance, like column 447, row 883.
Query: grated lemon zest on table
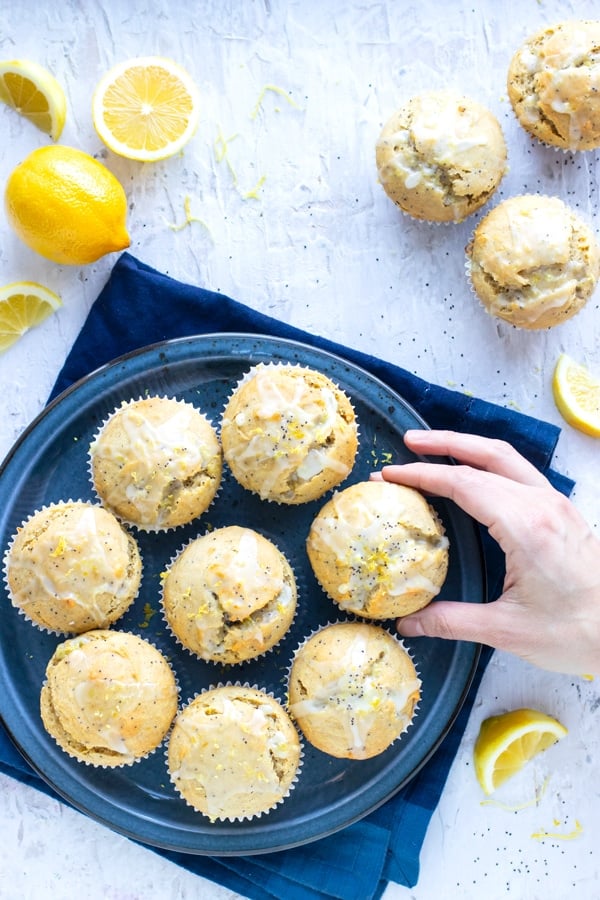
column 276, row 90
column 221, row 150
column 535, row 800
column 559, row 835
column 189, row 218
column 252, row 194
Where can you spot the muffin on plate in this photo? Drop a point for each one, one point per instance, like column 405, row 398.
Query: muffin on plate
column 554, row 85
column 156, row 463
column 233, row 753
column 229, row 595
column 72, row 567
column 109, row 698
column 533, row 262
column 441, row 156
column 289, row 433
column 353, row 689
column 378, row 550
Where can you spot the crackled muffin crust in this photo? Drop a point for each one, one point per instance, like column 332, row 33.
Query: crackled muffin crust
column 234, row 753
column 533, row 262
column 109, row 697
column 230, row 595
column 289, row 433
column 554, row 85
column 378, row 550
column 353, row 689
column 72, row 567
column 156, row 463
column 441, row 156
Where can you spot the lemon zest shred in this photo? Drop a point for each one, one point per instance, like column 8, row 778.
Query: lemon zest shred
column 534, row 801
column 189, row 218
column 221, row 150
column 276, row 90
column 252, row 194
column 559, row 835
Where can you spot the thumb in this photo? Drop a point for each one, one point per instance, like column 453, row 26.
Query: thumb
column 454, row 621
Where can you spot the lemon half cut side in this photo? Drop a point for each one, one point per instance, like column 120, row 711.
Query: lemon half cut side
column 577, row 395
column 34, row 92
column 508, row 741
column 23, row 305
column 146, row 108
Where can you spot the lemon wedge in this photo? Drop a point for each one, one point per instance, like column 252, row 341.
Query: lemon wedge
column 23, row 305
column 35, row 93
column 577, row 395
column 146, row 108
column 507, row 742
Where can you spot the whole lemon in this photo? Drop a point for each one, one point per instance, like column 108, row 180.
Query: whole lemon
column 67, row 206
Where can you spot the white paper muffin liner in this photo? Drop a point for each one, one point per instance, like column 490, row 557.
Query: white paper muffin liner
column 218, row 661
column 6, row 563
column 138, row 526
column 127, row 763
column 355, row 620
column 295, row 779
column 248, row 376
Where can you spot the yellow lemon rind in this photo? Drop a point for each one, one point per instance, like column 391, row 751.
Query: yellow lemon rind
column 46, row 106
column 15, row 321
column 569, row 404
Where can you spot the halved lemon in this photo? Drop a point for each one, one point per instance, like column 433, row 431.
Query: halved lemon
column 35, row 93
column 507, row 742
column 146, row 108
column 23, row 305
column 577, row 395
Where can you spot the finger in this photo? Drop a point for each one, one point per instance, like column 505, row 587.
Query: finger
column 488, row 454
column 487, row 497
column 482, row 623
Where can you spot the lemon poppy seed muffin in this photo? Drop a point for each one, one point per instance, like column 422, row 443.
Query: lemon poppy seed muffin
column 109, row 698
column 441, row 156
column 233, row 753
column 533, row 262
column 229, row 595
column 289, row 433
column 378, row 550
column 554, row 85
column 156, row 463
column 353, row 689
column 72, row 567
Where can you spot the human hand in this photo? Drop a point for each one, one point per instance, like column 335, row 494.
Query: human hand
column 549, row 611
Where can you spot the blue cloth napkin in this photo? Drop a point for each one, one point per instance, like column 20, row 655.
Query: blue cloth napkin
column 140, row 306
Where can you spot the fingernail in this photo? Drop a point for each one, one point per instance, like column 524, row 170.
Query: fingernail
column 410, row 627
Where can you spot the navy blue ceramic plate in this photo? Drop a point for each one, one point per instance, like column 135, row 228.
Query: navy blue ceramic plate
column 49, row 463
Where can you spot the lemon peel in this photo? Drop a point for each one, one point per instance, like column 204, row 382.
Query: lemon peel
column 577, row 395
column 24, row 305
column 33, row 92
column 576, row 832
column 506, row 742
column 533, row 801
column 189, row 217
column 275, row 90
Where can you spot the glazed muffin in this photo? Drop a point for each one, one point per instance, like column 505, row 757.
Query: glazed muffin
column 289, row 433
column 554, row 85
column 156, row 463
column 353, row 690
column 72, row 567
column 234, row 753
column 378, row 550
column 229, row 595
column 533, row 262
column 441, row 156
column 109, row 698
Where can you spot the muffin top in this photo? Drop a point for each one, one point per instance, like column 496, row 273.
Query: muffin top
column 156, row 463
column 230, row 595
column 109, row 697
column 233, row 753
column 72, row 567
column 353, row 689
column 533, row 261
column 378, row 549
column 441, row 156
column 289, row 433
column 554, row 85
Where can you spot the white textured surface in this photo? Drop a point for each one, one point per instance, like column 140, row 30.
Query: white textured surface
column 322, row 247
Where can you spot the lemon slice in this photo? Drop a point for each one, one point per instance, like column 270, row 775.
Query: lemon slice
column 577, row 395
column 35, row 93
column 508, row 741
column 23, row 305
column 146, row 108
